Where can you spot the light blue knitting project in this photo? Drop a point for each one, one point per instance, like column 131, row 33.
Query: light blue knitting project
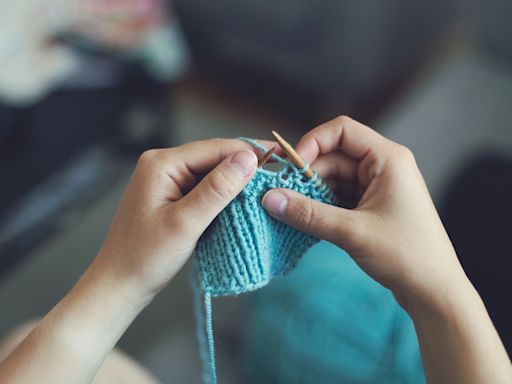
column 244, row 247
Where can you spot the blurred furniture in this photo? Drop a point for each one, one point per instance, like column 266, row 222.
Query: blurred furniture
column 313, row 57
column 101, row 89
column 64, row 150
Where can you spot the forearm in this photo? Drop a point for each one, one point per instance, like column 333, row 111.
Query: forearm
column 72, row 340
column 172, row 197
column 458, row 341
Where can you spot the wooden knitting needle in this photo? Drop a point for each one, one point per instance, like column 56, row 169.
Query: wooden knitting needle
column 292, row 154
column 266, row 157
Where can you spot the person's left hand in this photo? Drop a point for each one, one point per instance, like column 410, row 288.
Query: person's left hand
column 167, row 206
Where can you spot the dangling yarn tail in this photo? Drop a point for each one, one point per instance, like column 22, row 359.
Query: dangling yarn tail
column 209, row 335
column 204, row 330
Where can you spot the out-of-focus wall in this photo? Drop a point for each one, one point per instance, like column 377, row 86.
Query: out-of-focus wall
column 317, row 56
column 493, row 20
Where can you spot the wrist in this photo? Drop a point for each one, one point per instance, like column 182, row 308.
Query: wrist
column 114, row 282
column 435, row 286
column 446, row 300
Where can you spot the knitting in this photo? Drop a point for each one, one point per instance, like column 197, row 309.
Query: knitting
column 328, row 322
column 244, row 247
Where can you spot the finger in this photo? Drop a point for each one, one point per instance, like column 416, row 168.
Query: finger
column 181, row 167
column 351, row 137
column 214, row 192
column 334, row 224
column 201, row 157
column 336, row 165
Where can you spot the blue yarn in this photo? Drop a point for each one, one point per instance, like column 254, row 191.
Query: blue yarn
column 201, row 324
column 244, row 247
column 209, row 334
column 328, row 322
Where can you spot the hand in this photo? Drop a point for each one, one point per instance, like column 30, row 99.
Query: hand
column 167, row 207
column 394, row 232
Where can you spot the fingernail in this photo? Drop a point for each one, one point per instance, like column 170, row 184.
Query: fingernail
column 275, row 202
column 245, row 162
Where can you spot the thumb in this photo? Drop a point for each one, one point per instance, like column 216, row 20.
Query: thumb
column 325, row 221
column 216, row 190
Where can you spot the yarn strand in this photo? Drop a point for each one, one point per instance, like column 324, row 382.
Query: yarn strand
column 209, row 335
column 260, row 147
column 244, row 248
column 200, row 323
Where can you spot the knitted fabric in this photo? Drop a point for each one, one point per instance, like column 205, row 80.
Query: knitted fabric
column 244, row 247
column 328, row 322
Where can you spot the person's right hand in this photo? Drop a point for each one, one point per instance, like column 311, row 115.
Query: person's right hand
column 394, row 232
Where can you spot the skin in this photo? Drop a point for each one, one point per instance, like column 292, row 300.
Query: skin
column 396, row 236
column 393, row 232
column 166, row 207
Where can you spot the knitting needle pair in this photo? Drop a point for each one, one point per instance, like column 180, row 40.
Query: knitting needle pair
column 290, row 152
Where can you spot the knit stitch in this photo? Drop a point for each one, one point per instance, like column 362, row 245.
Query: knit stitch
column 244, row 247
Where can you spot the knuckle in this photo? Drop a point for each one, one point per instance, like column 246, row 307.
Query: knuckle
column 402, row 158
column 217, row 141
column 405, row 154
column 303, row 213
column 352, row 234
column 148, row 158
column 354, row 231
column 178, row 221
column 221, row 187
column 343, row 119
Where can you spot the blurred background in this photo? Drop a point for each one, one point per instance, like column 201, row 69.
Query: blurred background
column 87, row 85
